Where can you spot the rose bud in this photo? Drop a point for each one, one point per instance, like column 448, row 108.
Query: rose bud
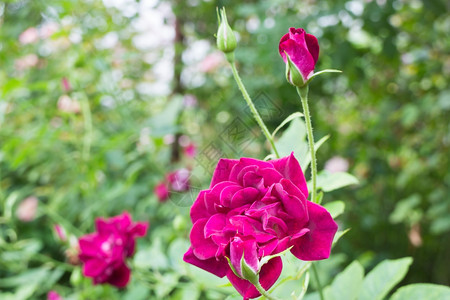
column 226, row 41
column 300, row 52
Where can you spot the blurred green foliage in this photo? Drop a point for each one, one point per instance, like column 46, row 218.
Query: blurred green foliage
column 99, row 147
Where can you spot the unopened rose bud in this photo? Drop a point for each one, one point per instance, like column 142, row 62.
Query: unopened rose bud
column 300, row 52
column 226, row 41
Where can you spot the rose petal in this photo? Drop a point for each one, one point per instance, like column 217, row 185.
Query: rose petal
column 216, row 267
column 268, row 276
column 120, row 276
column 243, row 249
column 198, row 209
column 203, row 248
column 290, row 168
column 223, row 170
column 313, row 46
column 316, row 244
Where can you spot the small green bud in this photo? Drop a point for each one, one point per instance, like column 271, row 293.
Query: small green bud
column 247, row 272
column 293, row 75
column 226, row 41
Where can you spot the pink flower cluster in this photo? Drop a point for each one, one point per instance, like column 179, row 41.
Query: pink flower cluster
column 103, row 252
column 176, row 181
column 254, row 209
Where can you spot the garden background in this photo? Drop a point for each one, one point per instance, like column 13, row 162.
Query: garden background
column 99, row 101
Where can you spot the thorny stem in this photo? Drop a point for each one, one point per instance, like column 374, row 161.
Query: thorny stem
column 303, row 93
column 250, row 104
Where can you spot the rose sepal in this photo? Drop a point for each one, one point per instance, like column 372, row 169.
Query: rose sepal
column 322, row 72
column 267, row 258
column 293, row 75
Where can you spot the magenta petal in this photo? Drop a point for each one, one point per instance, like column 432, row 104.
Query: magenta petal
column 139, row 229
column 203, row 248
column 290, row 168
column 244, row 196
column 120, row 276
column 223, row 170
column 215, row 225
column 198, row 209
column 216, row 267
column 94, row 267
column 313, row 46
column 316, row 244
column 300, row 56
column 243, row 249
column 268, row 276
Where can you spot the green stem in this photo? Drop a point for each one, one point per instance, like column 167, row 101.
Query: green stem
column 250, row 104
column 303, row 93
column 263, row 291
column 316, row 277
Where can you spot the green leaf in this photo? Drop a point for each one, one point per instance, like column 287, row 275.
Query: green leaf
column 383, row 278
column 347, row 284
column 294, row 139
column 339, row 234
column 335, row 208
column 332, row 181
column 316, row 147
column 420, row 291
column 287, row 120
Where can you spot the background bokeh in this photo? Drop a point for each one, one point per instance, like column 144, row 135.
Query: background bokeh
column 99, row 101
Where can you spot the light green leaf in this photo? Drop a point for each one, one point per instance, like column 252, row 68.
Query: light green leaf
column 316, row 147
column 421, row 291
column 383, row 278
column 347, row 284
column 339, row 234
column 335, row 208
column 287, row 120
column 294, row 139
column 332, row 181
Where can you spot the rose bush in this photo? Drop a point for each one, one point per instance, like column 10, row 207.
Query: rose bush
column 303, row 51
column 104, row 252
column 254, row 209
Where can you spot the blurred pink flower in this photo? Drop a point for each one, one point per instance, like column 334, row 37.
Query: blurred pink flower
column 103, row 252
column 190, row 150
column 189, row 101
column 211, row 62
column 66, row 84
column 29, row 36
column 60, row 232
column 162, row 192
column 27, row 209
column 26, row 62
column 52, row 295
column 336, row 164
column 68, row 105
column 179, row 180
column 48, row 29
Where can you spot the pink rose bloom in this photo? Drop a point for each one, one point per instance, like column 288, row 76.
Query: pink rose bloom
column 179, row 180
column 254, row 209
column 52, row 295
column 68, row 105
column 162, row 191
column 29, row 36
column 103, row 252
column 302, row 49
column 27, row 209
column 190, row 150
column 336, row 164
